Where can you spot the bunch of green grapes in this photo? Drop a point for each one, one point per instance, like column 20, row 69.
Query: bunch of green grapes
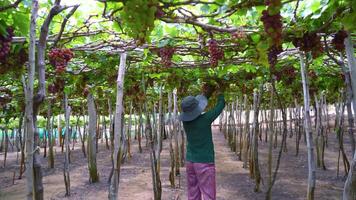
column 138, row 18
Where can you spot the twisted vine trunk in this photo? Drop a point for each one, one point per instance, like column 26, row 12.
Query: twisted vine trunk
column 350, row 184
column 255, row 164
column 171, row 150
column 245, row 133
column 66, row 144
column 176, row 132
column 93, row 173
column 270, row 145
column 114, row 185
column 50, row 136
column 29, row 104
column 309, row 136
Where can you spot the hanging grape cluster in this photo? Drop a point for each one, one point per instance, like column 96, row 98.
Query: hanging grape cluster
column 166, row 54
column 338, row 40
column 310, row 42
column 238, row 35
column 286, row 73
column 139, row 16
column 57, row 86
column 273, row 26
column 5, row 96
column 273, row 52
column 14, row 61
column 59, row 59
column 5, row 43
column 272, row 23
column 216, row 53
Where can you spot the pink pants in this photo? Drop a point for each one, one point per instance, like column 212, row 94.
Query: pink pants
column 201, row 181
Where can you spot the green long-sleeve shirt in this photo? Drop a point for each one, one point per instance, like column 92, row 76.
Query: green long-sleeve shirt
column 200, row 146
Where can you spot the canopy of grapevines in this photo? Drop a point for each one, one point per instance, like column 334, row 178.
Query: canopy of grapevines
column 175, row 44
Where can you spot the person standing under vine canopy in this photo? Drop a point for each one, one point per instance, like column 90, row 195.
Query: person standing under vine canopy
column 200, row 165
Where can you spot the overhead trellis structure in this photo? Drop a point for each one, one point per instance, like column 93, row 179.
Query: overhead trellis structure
column 57, row 56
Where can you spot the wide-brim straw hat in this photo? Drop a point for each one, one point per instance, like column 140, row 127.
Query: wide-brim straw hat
column 192, row 107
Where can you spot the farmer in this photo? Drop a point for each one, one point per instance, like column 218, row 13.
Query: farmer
column 200, row 165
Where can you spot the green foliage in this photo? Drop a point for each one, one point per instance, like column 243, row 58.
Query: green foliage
column 138, row 18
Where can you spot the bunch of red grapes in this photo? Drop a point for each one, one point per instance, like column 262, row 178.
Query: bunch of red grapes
column 5, row 43
column 309, row 42
column 338, row 40
column 273, row 52
column 59, row 59
column 273, row 26
column 239, row 35
column 287, row 73
column 215, row 52
column 166, row 54
column 57, row 86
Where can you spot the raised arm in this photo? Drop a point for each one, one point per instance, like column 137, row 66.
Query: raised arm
column 215, row 112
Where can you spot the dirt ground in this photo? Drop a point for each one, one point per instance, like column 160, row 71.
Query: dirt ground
column 233, row 182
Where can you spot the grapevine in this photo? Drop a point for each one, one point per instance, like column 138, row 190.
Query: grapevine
column 13, row 61
column 338, row 40
column 273, row 26
column 215, row 52
column 139, row 16
column 239, row 35
column 272, row 23
column 166, row 54
column 59, row 59
column 273, row 52
column 286, row 73
column 57, row 86
column 309, row 42
column 5, row 43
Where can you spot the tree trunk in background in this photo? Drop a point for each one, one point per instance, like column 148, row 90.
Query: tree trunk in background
column 93, row 173
column 171, row 150
column 50, row 119
column 29, row 104
column 175, row 132
column 349, row 192
column 240, row 129
column 22, row 144
column 297, row 126
column 129, row 132
column 349, row 100
column 66, row 143
column 6, row 143
column 155, row 144
column 106, row 134
column 140, row 131
column 351, row 60
column 59, row 130
column 245, row 133
column 270, row 145
column 256, row 167
column 310, row 145
column 97, row 129
column 83, row 137
column 78, row 129
column 114, row 185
